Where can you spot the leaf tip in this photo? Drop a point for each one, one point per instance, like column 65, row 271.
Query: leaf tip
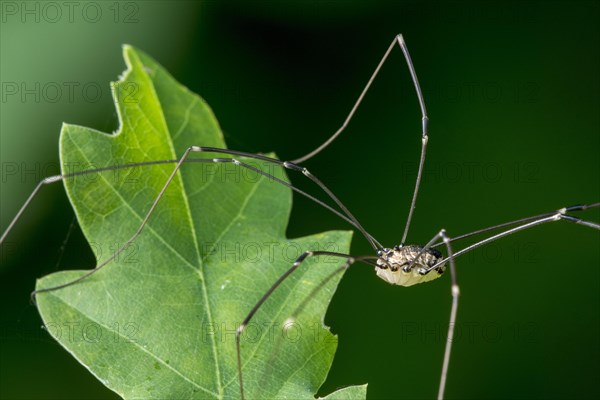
column 127, row 49
column 130, row 54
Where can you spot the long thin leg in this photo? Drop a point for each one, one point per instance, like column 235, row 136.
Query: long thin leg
column 556, row 216
column 577, row 207
column 399, row 39
column 321, row 285
column 455, row 291
column 424, row 122
column 452, row 321
column 424, row 135
column 354, row 223
column 59, row 178
column 349, row 261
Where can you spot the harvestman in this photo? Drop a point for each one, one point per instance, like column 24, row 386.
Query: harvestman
column 403, row 265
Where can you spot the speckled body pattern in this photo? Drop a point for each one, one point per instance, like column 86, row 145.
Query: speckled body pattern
column 392, row 265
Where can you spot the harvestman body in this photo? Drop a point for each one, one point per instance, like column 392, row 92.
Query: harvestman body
column 403, row 265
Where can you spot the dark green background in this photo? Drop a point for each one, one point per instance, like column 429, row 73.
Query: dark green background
column 512, row 91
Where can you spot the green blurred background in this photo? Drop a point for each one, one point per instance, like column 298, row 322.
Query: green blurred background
column 513, row 94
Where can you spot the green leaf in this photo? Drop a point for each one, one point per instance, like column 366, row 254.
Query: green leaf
column 159, row 320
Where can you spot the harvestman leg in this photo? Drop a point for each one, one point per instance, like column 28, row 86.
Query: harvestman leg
column 559, row 215
column 528, row 222
column 577, row 207
column 58, row 178
column 425, row 122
